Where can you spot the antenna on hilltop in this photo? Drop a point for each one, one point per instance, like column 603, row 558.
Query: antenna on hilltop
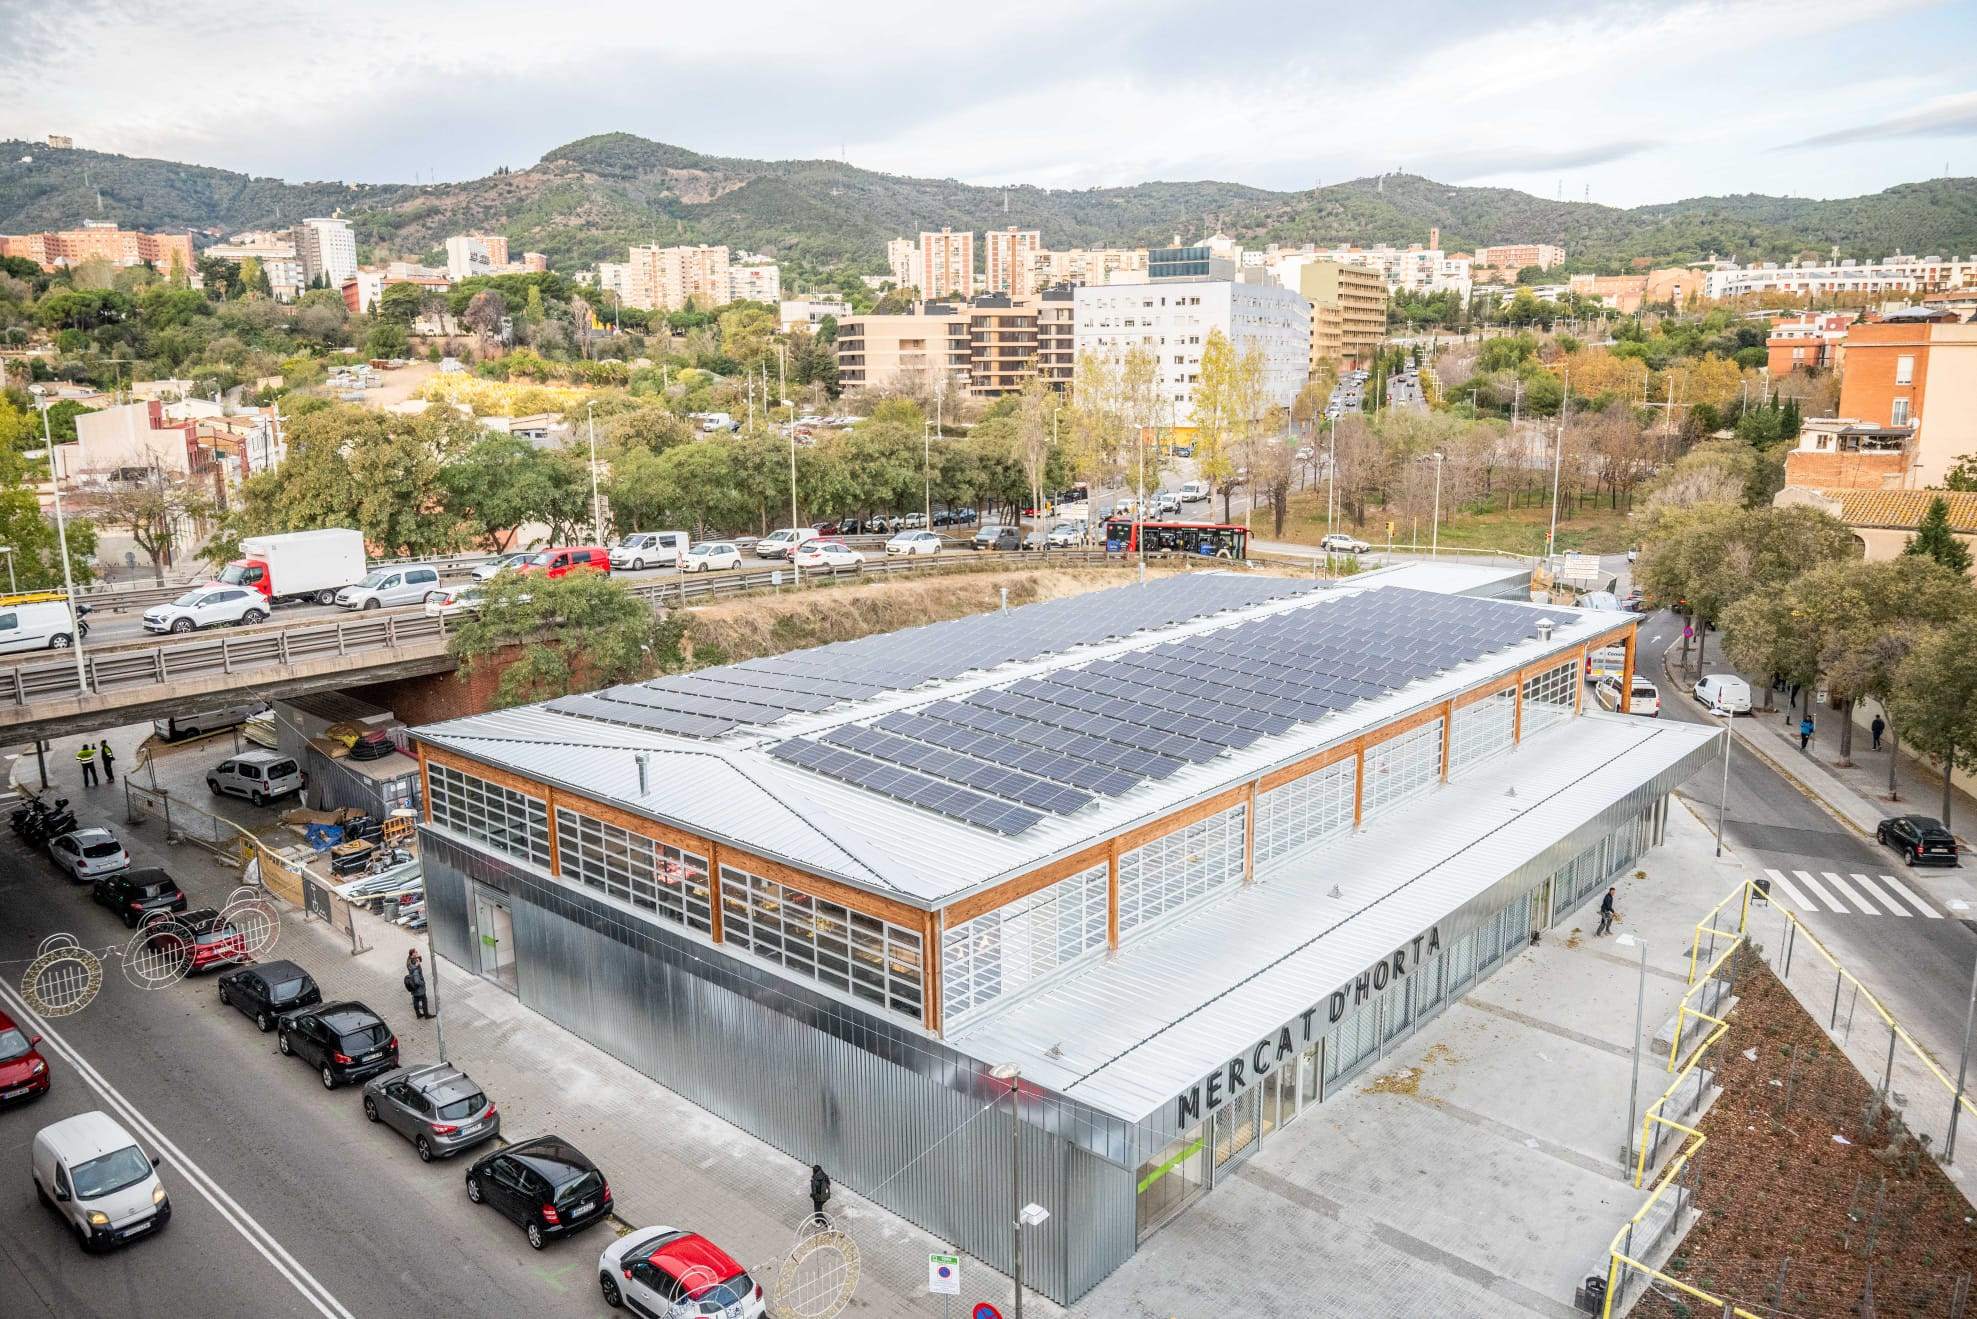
column 837, row 179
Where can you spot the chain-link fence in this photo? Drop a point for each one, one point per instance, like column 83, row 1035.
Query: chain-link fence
column 185, row 822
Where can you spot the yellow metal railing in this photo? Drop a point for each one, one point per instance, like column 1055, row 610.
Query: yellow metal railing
column 1693, row 1138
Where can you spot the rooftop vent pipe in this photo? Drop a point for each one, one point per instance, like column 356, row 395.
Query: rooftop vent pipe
column 1545, row 625
column 644, row 759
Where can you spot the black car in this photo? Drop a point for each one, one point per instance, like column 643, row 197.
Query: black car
column 1921, row 839
column 344, row 1042
column 545, row 1184
column 266, row 991
column 135, row 894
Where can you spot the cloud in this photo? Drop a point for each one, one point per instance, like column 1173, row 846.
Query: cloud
column 1947, row 116
column 1461, row 166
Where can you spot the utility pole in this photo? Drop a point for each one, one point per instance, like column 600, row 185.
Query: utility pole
column 596, row 502
column 1558, row 463
column 62, row 540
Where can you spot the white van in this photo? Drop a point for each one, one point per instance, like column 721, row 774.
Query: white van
column 1724, row 693
column 173, row 727
column 1193, row 492
column 651, row 549
column 90, row 1171
column 782, row 542
column 1606, row 662
column 45, row 625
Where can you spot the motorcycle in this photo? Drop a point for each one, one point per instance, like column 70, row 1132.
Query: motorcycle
column 39, row 822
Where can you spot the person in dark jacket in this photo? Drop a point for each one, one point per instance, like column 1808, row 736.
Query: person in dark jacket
column 1878, row 727
column 1605, row 914
column 109, row 759
column 415, row 984
column 820, row 1187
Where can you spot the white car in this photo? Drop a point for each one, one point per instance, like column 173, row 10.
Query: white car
column 87, row 853
column 1065, row 535
column 1166, row 502
column 1340, row 543
column 1724, row 693
column 827, row 554
column 451, row 600
column 668, row 1271
column 483, row 571
column 210, row 605
column 910, row 520
column 710, row 555
column 90, row 1171
column 1646, row 696
column 914, row 542
column 408, row 584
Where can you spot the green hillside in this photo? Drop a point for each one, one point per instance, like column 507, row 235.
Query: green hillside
column 591, row 198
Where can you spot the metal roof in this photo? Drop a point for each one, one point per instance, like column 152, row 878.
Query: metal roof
column 732, row 789
column 1126, row 1034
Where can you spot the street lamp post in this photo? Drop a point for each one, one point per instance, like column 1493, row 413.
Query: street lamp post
column 596, row 503
column 1435, row 527
column 1723, row 799
column 1962, row 1068
column 61, row 540
column 13, row 587
column 1640, row 1011
column 1011, row 1073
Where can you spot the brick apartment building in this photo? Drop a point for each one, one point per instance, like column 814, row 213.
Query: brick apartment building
column 1814, row 341
column 101, row 241
column 1907, row 411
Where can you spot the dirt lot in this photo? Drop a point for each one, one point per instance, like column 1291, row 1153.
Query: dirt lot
column 1814, row 1199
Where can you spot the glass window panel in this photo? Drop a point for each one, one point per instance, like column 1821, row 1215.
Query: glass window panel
column 820, row 941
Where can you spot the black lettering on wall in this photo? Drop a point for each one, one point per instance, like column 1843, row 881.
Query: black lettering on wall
column 1189, row 1108
column 1380, row 976
column 1258, row 1056
column 1284, row 1045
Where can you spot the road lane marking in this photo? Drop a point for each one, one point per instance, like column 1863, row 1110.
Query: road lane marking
column 1868, row 886
column 1902, row 890
column 1846, row 891
column 201, row 1181
column 1812, row 887
column 1778, row 881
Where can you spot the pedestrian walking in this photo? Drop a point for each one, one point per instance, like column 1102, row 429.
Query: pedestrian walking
column 110, row 760
column 415, row 985
column 1878, row 727
column 1605, row 914
column 820, row 1188
column 1805, row 731
column 1795, row 696
column 86, row 758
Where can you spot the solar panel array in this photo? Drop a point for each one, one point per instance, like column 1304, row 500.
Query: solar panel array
column 1007, row 757
column 755, row 692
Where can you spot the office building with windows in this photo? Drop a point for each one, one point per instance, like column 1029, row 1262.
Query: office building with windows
column 1188, row 855
column 1173, row 320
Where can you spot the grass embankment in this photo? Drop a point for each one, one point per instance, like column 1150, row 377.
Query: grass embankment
column 770, row 624
column 1593, row 529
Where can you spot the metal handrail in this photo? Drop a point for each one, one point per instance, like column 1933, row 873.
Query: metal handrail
column 235, row 650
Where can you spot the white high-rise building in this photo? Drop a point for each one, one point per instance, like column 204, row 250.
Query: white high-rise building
column 1173, row 319
column 755, row 280
column 475, row 254
column 328, row 251
column 903, row 260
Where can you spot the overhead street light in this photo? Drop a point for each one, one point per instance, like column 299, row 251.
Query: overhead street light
column 61, row 539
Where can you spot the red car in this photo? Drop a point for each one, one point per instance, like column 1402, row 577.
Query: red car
column 567, row 559
column 215, row 941
column 23, row 1071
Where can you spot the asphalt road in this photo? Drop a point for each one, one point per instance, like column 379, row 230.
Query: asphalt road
column 285, row 1201
column 1919, row 968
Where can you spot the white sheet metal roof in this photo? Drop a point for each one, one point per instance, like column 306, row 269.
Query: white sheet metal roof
column 1127, row 1034
column 730, row 788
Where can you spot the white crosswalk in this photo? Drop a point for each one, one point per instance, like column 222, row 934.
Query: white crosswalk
column 1852, row 894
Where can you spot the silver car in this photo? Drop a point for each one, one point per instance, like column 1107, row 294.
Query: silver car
column 435, row 1106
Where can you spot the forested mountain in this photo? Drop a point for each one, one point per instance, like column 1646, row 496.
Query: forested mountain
column 591, row 198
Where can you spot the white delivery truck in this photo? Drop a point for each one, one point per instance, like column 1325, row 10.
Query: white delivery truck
column 299, row 565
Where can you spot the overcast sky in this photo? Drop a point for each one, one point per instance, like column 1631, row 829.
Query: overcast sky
column 1622, row 103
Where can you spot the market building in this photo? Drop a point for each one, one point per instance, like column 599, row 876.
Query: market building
column 1187, row 856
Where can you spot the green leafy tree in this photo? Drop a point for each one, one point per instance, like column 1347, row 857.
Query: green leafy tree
column 387, row 339
column 400, row 303
column 500, row 483
column 1933, row 700
column 31, row 533
column 549, row 638
column 1934, row 539
column 1962, row 475
column 1216, row 408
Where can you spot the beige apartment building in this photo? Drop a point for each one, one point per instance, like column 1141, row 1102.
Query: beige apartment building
column 668, row 278
column 98, row 240
column 1086, row 265
column 947, row 263
column 903, row 260
column 1011, row 257
column 985, row 348
column 1348, row 312
column 924, row 352
column 1057, row 336
column 1515, row 256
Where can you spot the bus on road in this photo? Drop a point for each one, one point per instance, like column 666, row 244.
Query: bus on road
column 1208, row 540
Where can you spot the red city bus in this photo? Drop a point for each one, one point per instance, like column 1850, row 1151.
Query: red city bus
column 1208, row 540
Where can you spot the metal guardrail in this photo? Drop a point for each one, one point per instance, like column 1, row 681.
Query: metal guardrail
column 275, row 644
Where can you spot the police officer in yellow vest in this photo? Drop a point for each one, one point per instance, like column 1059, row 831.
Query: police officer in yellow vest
column 86, row 757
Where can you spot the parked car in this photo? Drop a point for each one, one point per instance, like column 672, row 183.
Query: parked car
column 650, row 549
column 435, row 1106
column 1166, row 502
column 545, row 1184
column 1921, row 839
column 913, row 521
column 914, row 542
column 483, row 571
column 1724, row 693
column 1646, row 697
column 208, row 606
column 344, row 1042
column 90, row 1171
column 989, row 533
column 215, row 940
column 827, row 554
column 38, row 625
column 87, row 853
column 1340, row 543
column 562, row 561
column 1634, row 603
column 408, row 584
column 173, row 727
column 136, row 894
column 779, row 543
column 450, row 600
column 712, row 555
column 266, row 990
column 259, row 776
column 1066, row 535
column 659, row 1270
column 23, row 1071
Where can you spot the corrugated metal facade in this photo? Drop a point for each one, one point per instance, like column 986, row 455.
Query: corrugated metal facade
column 819, row 1079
